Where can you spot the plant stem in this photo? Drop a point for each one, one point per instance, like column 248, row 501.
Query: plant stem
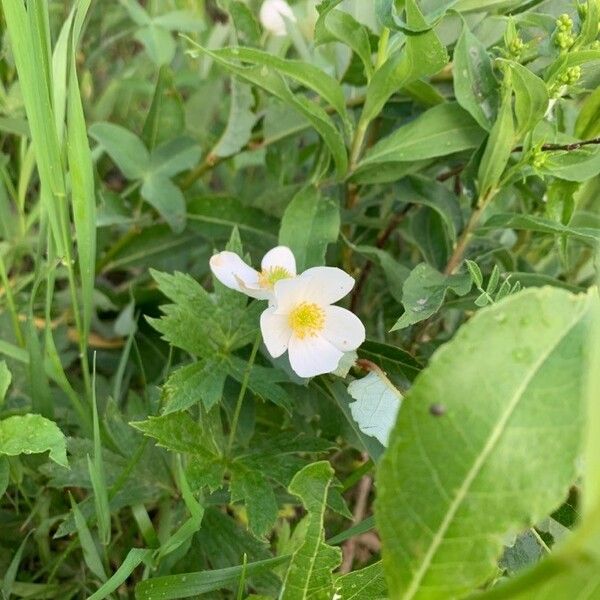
column 357, row 143
column 11, row 303
column 240, row 400
column 463, row 241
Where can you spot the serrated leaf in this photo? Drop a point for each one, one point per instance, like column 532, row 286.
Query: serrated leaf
column 309, row 575
column 475, row 86
column 32, row 434
column 309, row 224
column 424, row 292
column 199, row 382
column 441, row 529
column 377, row 404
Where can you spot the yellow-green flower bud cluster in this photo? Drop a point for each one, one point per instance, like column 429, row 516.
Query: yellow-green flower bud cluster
column 563, row 35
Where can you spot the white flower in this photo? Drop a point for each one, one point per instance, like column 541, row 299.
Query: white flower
column 273, row 14
column 277, row 264
column 303, row 322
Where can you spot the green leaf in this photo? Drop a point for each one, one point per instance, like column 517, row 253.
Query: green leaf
column 377, row 405
column 424, row 293
column 186, row 585
column 177, row 432
column 589, row 235
column 310, row 572
column 498, row 147
column 174, row 156
column 161, row 193
column 475, row 272
column 442, row 528
column 240, row 122
column 124, row 147
column 158, row 42
column 166, row 116
column 309, row 224
column 4, row 475
column 32, row 434
column 439, row 131
column 5, row 379
column 364, row 584
column 531, row 98
column 422, row 55
column 576, row 165
column 587, row 125
column 270, row 79
column 396, row 363
column 257, row 492
column 134, row 557
column 201, row 381
column 335, row 25
column 475, row 86
column 304, row 73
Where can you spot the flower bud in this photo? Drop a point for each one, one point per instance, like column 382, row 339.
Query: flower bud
column 273, row 14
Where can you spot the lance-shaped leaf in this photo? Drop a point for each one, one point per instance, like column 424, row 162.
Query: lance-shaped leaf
column 309, row 574
column 453, row 482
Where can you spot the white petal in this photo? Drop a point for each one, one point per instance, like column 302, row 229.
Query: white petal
column 343, row 328
column 288, row 293
column 234, row 273
column 326, row 285
column 272, row 13
column 280, row 256
column 276, row 332
column 312, row 356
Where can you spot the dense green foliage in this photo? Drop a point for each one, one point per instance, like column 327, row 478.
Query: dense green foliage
column 445, row 154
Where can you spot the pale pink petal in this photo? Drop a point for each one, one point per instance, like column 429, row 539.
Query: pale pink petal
column 313, row 355
column 280, row 256
column 343, row 328
column 276, row 332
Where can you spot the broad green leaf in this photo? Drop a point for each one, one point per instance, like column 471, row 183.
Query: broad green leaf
column 137, row 14
column 158, row 42
column 202, row 381
column 4, row 475
column 180, row 21
column 377, row 404
column 475, row 85
column 424, row 293
column 269, row 78
column 32, row 434
column 5, row 379
column 422, row 55
column 363, row 584
column 174, row 156
column 124, row 147
column 257, row 492
column 246, row 24
column 439, row 131
column 161, row 193
column 442, row 529
column 173, row 587
column 498, row 147
column 531, row 98
column 240, row 122
column 309, row 224
column 575, row 165
column 309, row 575
column 542, row 225
column 335, row 25
column 177, row 432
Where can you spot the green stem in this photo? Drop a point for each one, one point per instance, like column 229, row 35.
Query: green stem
column 357, row 143
column 240, row 400
column 11, row 303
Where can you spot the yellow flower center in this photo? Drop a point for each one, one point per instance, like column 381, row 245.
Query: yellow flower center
column 269, row 277
column 307, row 320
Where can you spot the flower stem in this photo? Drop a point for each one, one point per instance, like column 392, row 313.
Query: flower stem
column 240, row 400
